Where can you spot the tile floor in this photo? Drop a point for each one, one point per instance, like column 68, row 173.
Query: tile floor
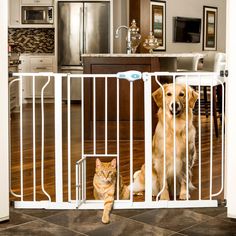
column 211, row 221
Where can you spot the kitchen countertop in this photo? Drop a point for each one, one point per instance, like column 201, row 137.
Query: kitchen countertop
column 143, row 55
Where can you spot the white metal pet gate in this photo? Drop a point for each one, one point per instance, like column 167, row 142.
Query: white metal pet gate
column 79, row 200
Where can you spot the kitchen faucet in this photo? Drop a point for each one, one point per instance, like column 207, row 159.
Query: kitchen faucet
column 128, row 48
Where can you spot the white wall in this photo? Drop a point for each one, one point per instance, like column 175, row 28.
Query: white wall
column 185, row 8
column 194, row 8
column 4, row 177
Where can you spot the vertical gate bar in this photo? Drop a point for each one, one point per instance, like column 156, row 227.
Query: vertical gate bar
column 187, row 164
column 82, row 135
column 21, row 141
column 94, row 116
column 174, row 120
column 9, row 136
column 82, row 117
column 76, row 185
column 211, row 141
column 131, row 141
column 42, row 139
column 227, row 124
column 80, row 185
column 9, row 123
column 69, row 135
column 58, row 138
column 223, row 138
column 222, row 143
column 34, row 143
column 105, row 115
column 84, row 173
column 199, row 141
column 118, row 137
column 148, row 136
column 164, row 135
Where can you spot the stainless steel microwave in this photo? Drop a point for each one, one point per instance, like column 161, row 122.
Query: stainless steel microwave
column 36, row 15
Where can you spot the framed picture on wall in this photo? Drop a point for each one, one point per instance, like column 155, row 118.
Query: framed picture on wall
column 158, row 23
column 209, row 28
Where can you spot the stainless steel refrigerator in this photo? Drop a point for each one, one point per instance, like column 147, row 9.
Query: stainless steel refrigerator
column 83, row 27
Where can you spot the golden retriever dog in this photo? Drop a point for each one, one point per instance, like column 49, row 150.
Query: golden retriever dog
column 180, row 137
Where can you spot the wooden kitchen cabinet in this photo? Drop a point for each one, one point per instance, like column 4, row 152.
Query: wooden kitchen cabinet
column 14, row 14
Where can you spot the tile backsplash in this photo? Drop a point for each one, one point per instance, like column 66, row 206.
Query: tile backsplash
column 31, row 40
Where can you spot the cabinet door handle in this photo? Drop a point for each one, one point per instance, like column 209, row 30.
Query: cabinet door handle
column 41, row 68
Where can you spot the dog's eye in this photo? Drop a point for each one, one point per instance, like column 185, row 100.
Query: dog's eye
column 168, row 94
column 181, row 94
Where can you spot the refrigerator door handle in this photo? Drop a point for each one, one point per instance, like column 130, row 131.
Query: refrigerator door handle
column 85, row 26
column 81, row 34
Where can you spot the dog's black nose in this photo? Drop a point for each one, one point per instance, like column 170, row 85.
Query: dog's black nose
column 176, row 106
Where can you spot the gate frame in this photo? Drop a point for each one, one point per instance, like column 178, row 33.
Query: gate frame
column 131, row 76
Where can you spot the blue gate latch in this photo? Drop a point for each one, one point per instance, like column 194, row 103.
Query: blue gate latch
column 131, row 75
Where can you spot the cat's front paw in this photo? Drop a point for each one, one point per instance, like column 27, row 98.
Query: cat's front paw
column 105, row 219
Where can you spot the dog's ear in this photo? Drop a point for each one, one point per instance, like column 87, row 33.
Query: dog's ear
column 158, row 96
column 192, row 97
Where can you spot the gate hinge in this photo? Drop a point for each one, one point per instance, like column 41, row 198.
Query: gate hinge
column 222, row 202
column 226, row 73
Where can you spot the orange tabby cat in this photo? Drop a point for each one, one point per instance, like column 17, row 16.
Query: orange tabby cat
column 104, row 183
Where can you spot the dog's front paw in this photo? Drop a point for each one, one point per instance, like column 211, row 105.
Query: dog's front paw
column 183, row 196
column 165, row 196
column 105, row 219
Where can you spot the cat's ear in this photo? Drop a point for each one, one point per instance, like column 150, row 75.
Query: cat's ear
column 113, row 163
column 98, row 163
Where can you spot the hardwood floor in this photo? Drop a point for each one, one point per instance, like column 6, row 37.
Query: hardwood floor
column 49, row 174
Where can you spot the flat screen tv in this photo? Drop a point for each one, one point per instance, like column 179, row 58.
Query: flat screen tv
column 187, row 30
